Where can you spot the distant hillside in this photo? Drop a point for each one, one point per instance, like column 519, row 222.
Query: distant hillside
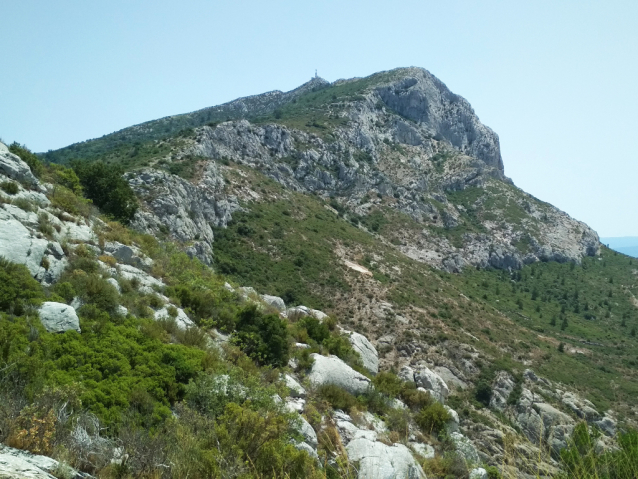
column 625, row 244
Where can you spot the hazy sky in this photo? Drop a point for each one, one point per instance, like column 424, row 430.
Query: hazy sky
column 557, row 80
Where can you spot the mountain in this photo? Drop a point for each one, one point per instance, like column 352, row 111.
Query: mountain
column 364, row 230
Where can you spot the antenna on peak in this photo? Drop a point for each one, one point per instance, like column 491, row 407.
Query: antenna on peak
column 316, row 76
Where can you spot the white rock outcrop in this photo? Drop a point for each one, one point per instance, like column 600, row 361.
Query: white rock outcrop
column 18, row 464
column 181, row 318
column 295, row 389
column 274, row 301
column 12, row 166
column 332, row 370
column 366, row 350
column 380, row 461
column 58, row 317
column 130, row 255
column 431, row 382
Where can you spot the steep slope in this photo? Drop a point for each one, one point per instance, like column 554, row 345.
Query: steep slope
column 477, row 342
column 383, row 202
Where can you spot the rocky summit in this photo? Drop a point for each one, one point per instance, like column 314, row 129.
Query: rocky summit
column 337, row 281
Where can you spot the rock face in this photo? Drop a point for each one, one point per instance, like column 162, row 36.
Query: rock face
column 59, row 317
column 366, row 350
column 129, row 255
column 181, row 209
column 332, row 370
column 432, row 382
column 17, row 464
column 274, row 301
column 465, row 448
column 378, row 460
column 12, row 166
column 422, row 97
column 542, row 423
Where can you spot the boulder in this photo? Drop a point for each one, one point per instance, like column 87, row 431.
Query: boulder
column 181, row 319
column 478, row 473
column 542, row 423
column 309, row 434
column 380, row 461
column 302, row 446
column 298, row 312
column 406, row 374
column 274, row 301
column 332, row 370
column 12, row 166
column 581, row 407
column 295, row 404
column 451, row 379
column 501, row 389
column 432, row 382
column 113, row 282
column 128, row 255
column 58, row 317
column 465, row 448
column 19, row 246
column 146, row 281
column 453, row 424
column 18, row 464
column 607, row 425
column 296, row 389
column 366, row 350
column 424, row 450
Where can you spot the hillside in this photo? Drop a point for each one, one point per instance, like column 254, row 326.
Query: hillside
column 372, row 223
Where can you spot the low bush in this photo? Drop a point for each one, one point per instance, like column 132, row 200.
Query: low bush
column 9, row 187
column 317, row 331
column 336, row 397
column 263, row 337
column 105, row 186
column 388, row 383
column 18, row 290
column 398, row 420
column 68, row 201
column 413, row 398
column 432, row 419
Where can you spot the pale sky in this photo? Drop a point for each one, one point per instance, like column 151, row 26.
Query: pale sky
column 557, row 80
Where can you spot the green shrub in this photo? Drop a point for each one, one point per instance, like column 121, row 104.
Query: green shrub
column 317, row 331
column 337, row 397
column 264, row 338
column 44, row 225
column 375, row 401
column 432, row 419
column 341, row 347
column 9, row 187
column 17, row 288
column 210, row 393
column 66, row 200
column 66, row 177
column 26, row 155
column 260, row 443
column 104, row 185
column 94, row 290
column 65, row 290
column 24, row 204
column 388, row 383
column 413, row 398
column 398, row 420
